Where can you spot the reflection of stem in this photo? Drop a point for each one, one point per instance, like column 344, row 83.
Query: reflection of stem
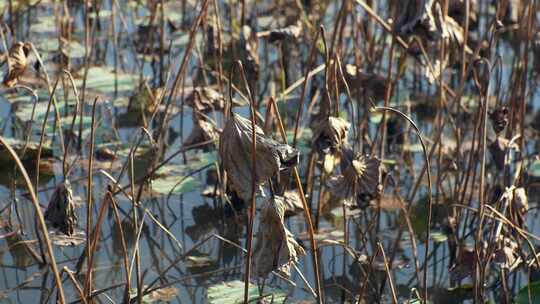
column 124, row 246
column 43, row 132
column 53, row 97
column 29, row 123
column 40, row 219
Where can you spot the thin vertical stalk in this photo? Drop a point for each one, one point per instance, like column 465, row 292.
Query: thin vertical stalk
column 89, row 204
column 251, row 217
column 307, row 214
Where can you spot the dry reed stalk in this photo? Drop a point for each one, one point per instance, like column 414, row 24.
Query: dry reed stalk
column 89, row 205
column 307, row 214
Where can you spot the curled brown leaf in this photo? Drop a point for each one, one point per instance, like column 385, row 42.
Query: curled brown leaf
column 60, row 212
column 330, row 135
column 17, row 63
column 276, row 249
column 235, row 148
column 360, row 178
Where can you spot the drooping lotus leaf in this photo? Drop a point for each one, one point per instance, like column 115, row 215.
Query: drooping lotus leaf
column 291, row 32
column 499, row 119
column 330, row 135
column 425, row 19
column 206, row 99
column 276, row 249
column 360, row 178
column 416, row 16
column 506, row 254
column 293, row 202
column 372, row 84
column 235, row 148
column 203, row 131
column 457, row 8
column 17, row 63
column 60, row 212
column 498, row 149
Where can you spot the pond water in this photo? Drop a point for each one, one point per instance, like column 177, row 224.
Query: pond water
column 183, row 245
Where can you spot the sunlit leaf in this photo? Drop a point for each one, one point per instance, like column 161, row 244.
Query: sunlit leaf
column 174, row 185
column 233, row 292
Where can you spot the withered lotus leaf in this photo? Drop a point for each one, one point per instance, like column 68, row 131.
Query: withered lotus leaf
column 331, row 134
column 276, row 249
column 416, row 16
column 293, row 202
column 499, row 119
column 203, row 131
column 17, row 63
column 498, row 149
column 374, row 85
column 291, row 32
column 521, row 201
column 361, row 177
column 506, row 255
column 207, row 100
column 60, row 212
column 235, row 148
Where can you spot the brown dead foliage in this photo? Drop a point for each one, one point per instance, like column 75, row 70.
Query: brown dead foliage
column 206, row 100
column 276, row 249
column 330, row 135
column 60, row 212
column 203, row 131
column 235, row 148
column 360, row 178
column 17, row 63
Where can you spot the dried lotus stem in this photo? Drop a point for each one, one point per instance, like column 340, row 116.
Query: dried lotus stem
column 307, row 214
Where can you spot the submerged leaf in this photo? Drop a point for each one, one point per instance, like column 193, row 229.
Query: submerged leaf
column 60, row 212
column 276, row 248
column 532, row 290
column 235, row 148
column 233, row 292
column 160, row 295
column 17, row 63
